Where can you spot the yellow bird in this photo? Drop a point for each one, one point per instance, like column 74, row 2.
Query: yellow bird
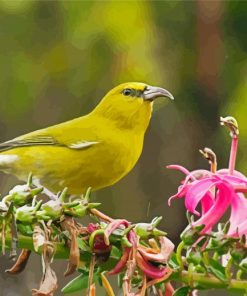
column 95, row 150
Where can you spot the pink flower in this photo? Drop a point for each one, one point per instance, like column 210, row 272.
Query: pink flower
column 143, row 256
column 216, row 191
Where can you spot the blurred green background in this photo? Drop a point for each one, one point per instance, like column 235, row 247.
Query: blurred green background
column 58, row 59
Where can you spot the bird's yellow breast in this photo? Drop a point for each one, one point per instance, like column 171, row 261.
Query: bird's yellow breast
column 116, row 152
column 57, row 157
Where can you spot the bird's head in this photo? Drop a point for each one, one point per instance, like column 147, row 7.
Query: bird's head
column 130, row 104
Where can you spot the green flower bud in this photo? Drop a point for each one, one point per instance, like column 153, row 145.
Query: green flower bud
column 239, row 254
column 194, row 257
column 78, row 208
column 22, row 194
column 190, row 235
column 27, row 214
column 145, row 230
column 50, row 210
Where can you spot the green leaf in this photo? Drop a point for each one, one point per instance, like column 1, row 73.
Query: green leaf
column 238, row 254
column 194, row 257
column 115, row 253
column 120, row 279
column 243, row 265
column 217, row 269
column 173, row 263
column 190, row 235
column 25, row 229
column 78, row 283
column 82, row 245
column 183, row 291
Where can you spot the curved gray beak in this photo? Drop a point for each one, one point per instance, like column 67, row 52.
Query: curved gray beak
column 153, row 92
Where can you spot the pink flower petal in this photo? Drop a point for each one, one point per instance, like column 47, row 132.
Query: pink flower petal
column 224, row 197
column 150, row 270
column 226, row 172
column 181, row 193
column 121, row 263
column 194, row 175
column 113, row 226
column 196, row 192
column 242, row 229
column 167, row 248
column 238, row 213
column 206, row 202
column 201, row 174
column 126, row 252
column 234, row 179
column 178, row 168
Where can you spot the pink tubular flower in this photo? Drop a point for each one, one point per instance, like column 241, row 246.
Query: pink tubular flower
column 144, row 256
column 216, row 191
column 113, row 226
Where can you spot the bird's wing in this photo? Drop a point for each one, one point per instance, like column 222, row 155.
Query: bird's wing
column 43, row 141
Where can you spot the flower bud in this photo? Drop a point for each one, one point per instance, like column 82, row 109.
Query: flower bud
column 50, row 210
column 144, row 230
column 22, row 194
column 190, row 235
column 78, row 208
column 27, row 214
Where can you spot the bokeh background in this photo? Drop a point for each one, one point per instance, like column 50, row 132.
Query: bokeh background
column 58, row 58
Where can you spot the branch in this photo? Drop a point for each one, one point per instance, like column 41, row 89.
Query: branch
column 62, row 252
column 208, row 281
column 26, row 242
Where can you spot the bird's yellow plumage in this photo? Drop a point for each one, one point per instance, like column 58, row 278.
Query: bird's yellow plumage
column 95, row 150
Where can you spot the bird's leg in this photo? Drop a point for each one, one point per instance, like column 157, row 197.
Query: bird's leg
column 47, row 192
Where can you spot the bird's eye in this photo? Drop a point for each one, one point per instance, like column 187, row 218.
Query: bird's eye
column 127, row 92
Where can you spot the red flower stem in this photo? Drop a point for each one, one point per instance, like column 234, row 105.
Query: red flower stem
column 233, row 154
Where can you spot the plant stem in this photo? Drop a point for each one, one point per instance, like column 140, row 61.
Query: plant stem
column 228, row 268
column 233, row 154
column 26, row 242
column 179, row 255
column 208, row 281
column 100, row 215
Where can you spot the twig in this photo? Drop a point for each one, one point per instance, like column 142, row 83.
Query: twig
column 100, row 215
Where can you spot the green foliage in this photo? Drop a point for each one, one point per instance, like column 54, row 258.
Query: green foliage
column 183, row 291
column 107, row 246
column 79, row 283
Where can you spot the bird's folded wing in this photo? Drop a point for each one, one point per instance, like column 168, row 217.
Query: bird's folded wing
column 43, row 141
